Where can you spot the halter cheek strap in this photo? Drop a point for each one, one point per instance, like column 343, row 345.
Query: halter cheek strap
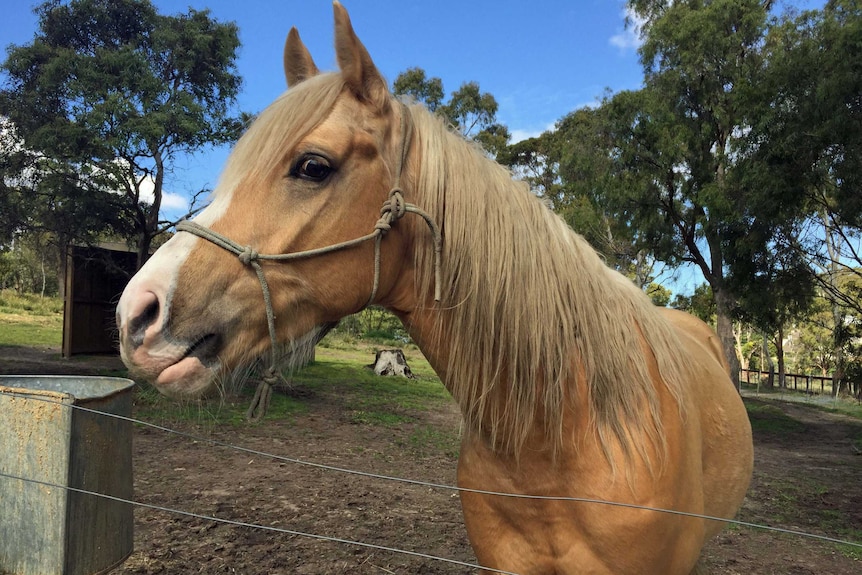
column 394, row 208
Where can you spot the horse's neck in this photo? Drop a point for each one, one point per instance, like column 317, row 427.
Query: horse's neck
column 421, row 322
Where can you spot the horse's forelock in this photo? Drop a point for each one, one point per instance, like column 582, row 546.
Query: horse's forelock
column 278, row 128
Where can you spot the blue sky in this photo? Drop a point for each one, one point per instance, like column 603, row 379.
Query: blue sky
column 540, row 59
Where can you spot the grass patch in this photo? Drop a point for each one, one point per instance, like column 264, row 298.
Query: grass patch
column 841, row 405
column 12, row 302
column 210, row 413
column 371, row 399
column 427, row 439
column 339, row 373
column 850, row 551
column 803, row 503
column 849, row 407
column 30, row 320
column 767, row 418
column 31, row 330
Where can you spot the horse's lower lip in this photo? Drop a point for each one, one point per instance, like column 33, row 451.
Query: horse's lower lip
column 186, row 370
column 191, row 370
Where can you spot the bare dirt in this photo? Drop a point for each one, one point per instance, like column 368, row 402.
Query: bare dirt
column 808, row 477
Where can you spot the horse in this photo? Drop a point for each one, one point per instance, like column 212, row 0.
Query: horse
column 571, row 383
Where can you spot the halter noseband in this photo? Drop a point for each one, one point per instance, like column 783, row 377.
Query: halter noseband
column 394, row 208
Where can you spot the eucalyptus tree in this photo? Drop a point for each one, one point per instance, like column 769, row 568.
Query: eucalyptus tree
column 468, row 109
column 676, row 138
column 573, row 169
column 804, row 149
column 113, row 92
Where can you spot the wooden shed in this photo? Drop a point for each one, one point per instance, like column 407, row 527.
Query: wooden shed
column 95, row 278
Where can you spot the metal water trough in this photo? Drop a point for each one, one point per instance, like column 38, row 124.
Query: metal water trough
column 53, row 531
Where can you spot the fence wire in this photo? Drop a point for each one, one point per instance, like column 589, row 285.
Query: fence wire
column 427, row 484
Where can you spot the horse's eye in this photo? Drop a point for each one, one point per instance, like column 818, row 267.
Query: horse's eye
column 312, row 168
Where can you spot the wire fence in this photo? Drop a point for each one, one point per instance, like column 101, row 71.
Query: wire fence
column 335, row 469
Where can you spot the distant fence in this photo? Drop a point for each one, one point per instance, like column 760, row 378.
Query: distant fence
column 795, row 381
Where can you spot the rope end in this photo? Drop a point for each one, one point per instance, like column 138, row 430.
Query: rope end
column 262, row 398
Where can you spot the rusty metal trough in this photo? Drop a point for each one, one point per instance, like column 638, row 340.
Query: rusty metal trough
column 50, row 530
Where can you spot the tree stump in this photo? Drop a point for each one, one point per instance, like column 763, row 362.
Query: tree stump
column 391, row 362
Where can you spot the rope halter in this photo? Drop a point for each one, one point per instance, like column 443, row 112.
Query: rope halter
column 394, row 208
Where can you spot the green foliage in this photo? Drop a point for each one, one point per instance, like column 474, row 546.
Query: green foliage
column 806, row 121
column 414, row 83
column 471, row 111
column 31, row 265
column 374, row 324
column 104, row 98
column 659, row 294
column 700, row 304
column 812, row 348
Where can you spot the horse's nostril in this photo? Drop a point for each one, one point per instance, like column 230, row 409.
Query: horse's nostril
column 138, row 325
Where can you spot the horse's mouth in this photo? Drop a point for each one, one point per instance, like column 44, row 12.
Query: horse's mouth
column 204, row 348
column 193, row 371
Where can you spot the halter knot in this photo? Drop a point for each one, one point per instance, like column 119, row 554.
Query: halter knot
column 394, row 205
column 271, row 377
column 383, row 225
column 248, row 255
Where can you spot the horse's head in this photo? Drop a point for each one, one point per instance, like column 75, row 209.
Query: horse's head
column 313, row 170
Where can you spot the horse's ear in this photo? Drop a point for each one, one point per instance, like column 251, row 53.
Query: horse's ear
column 298, row 65
column 358, row 70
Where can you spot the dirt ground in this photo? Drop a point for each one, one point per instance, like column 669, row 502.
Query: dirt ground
column 807, row 478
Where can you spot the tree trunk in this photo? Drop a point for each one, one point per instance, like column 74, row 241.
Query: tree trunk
column 838, row 331
column 779, row 352
column 737, row 337
column 839, row 336
column 766, row 362
column 724, row 329
column 62, row 263
column 145, row 241
column 391, row 362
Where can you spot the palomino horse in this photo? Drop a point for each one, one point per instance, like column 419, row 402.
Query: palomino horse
column 571, row 383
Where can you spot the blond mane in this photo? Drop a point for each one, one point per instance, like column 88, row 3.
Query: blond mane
column 527, row 301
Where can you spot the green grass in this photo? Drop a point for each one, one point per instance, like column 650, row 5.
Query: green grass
column 210, row 413
column 36, row 332
column 30, row 320
column 850, row 551
column 788, row 501
column 770, row 419
column 852, row 408
column 371, row 399
column 843, row 405
column 338, row 373
column 11, row 302
column 425, row 439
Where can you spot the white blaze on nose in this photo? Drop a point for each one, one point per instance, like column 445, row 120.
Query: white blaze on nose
column 145, row 305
